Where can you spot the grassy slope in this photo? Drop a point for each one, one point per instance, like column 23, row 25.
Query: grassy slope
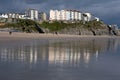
column 29, row 25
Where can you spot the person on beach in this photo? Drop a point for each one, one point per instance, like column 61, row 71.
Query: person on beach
column 10, row 32
column 56, row 33
column 79, row 33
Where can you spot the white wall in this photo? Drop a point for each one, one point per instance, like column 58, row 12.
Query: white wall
column 70, row 15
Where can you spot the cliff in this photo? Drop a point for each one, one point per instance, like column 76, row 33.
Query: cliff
column 60, row 27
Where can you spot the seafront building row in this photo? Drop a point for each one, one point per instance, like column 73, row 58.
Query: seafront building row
column 32, row 14
column 54, row 15
column 71, row 15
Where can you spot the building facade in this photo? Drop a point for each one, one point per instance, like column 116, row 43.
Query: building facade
column 32, row 14
column 65, row 15
column 43, row 16
column 90, row 17
column 10, row 15
column 71, row 15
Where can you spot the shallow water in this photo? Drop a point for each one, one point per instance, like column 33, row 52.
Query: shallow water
column 94, row 59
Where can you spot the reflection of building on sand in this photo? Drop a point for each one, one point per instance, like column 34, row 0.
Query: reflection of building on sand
column 66, row 56
column 58, row 54
column 69, row 56
column 29, row 54
column 53, row 55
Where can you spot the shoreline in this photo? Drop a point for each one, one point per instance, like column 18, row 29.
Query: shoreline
column 23, row 36
column 17, row 38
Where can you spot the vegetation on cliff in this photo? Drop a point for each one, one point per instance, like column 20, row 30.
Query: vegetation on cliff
column 57, row 26
column 26, row 25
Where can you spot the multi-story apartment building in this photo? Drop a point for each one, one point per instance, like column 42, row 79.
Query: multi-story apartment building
column 43, row 16
column 89, row 17
column 32, row 14
column 62, row 15
column 29, row 14
column 65, row 15
column 4, row 16
column 22, row 16
column 13, row 15
column 70, row 15
column 80, row 16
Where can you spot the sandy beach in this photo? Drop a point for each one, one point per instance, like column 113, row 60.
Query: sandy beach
column 5, row 36
column 17, row 38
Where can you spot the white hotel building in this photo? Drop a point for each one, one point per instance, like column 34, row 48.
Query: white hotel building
column 65, row 15
column 73, row 15
column 32, row 14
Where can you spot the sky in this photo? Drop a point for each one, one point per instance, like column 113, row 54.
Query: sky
column 107, row 10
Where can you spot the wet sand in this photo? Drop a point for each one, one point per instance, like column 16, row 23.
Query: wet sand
column 85, row 59
column 19, row 36
column 16, row 37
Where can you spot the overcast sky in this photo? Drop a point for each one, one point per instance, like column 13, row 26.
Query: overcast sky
column 106, row 10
